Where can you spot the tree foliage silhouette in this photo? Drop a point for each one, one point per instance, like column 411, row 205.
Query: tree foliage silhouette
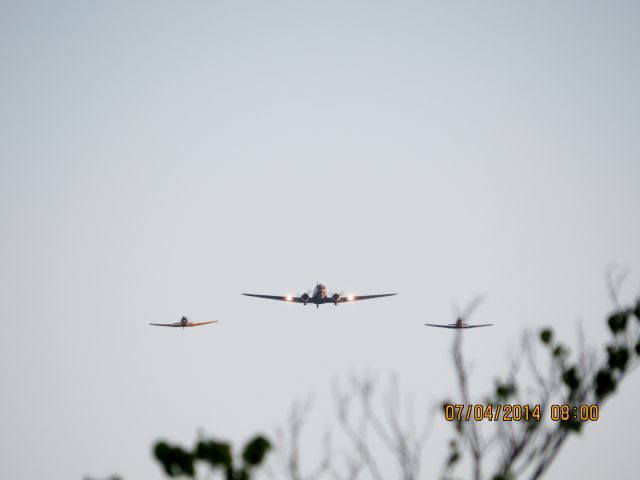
column 527, row 449
column 214, row 455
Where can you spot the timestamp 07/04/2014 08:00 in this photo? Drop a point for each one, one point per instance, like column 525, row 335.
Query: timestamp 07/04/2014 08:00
column 517, row 413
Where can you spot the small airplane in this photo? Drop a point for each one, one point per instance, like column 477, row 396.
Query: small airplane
column 460, row 323
column 319, row 296
column 184, row 322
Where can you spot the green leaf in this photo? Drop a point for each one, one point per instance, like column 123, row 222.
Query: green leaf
column 505, row 390
column 174, row 460
column 571, row 424
column 570, row 378
column 255, row 451
column 605, row 383
column 546, row 335
column 618, row 322
column 560, row 352
column 618, row 357
column 217, row 454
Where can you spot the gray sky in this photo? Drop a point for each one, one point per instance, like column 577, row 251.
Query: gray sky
column 159, row 158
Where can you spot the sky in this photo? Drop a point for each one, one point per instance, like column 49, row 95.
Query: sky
column 159, row 158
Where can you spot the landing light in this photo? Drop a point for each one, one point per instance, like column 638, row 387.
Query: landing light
column 288, row 298
column 350, row 298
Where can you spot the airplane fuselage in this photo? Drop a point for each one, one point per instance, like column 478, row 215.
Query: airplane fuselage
column 320, row 292
column 319, row 296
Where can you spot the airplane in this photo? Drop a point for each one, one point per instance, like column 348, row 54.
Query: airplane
column 460, row 323
column 184, row 322
column 319, row 296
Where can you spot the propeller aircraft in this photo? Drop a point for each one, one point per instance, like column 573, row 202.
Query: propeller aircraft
column 460, row 320
column 184, row 322
column 319, row 296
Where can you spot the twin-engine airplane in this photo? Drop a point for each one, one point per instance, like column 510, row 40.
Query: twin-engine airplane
column 319, row 296
column 184, row 322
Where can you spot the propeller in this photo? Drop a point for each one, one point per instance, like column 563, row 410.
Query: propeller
column 306, row 296
column 336, row 297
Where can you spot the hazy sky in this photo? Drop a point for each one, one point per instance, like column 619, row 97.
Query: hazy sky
column 159, row 158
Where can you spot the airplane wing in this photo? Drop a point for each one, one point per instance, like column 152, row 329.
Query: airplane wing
column 195, row 324
column 441, row 326
column 476, row 326
column 166, row 324
column 355, row 298
column 286, row 298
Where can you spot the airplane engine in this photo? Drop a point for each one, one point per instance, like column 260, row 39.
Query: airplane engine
column 304, row 298
column 336, row 298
